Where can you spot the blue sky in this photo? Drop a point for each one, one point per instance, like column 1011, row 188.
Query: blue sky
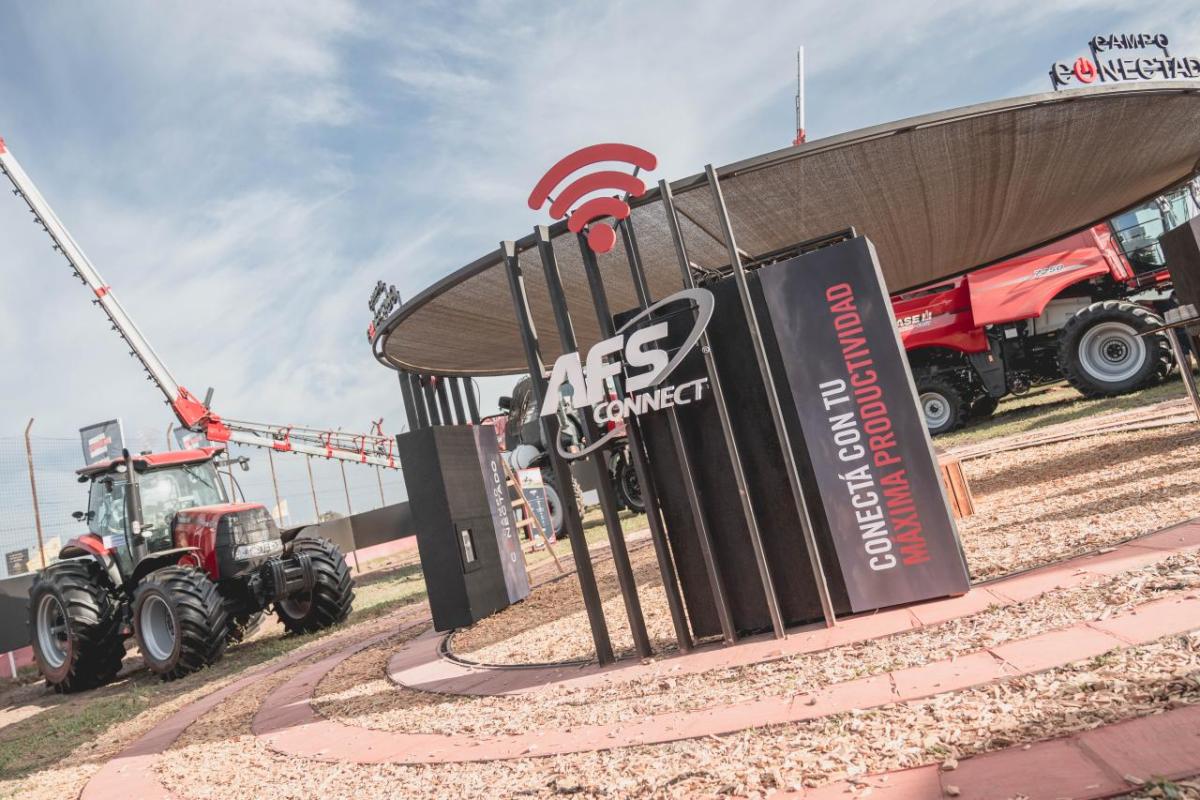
column 243, row 173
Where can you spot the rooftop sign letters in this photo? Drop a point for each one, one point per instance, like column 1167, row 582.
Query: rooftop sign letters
column 383, row 302
column 1119, row 57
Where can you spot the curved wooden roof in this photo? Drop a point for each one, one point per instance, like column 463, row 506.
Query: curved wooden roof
column 937, row 194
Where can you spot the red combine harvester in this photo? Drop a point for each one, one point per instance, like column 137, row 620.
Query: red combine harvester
column 169, row 560
column 1076, row 309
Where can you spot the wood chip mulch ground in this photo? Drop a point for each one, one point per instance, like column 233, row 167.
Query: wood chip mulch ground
column 221, row 758
column 358, row 693
column 1033, row 507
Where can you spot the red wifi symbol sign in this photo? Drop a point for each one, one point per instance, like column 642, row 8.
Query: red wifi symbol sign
column 600, row 235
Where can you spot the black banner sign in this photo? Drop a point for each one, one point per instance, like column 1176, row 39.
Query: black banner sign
column 101, row 441
column 875, row 470
column 512, row 559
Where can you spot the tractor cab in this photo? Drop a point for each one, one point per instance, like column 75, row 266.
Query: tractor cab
column 167, row 483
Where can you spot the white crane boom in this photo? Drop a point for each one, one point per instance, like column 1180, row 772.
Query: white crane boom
column 375, row 449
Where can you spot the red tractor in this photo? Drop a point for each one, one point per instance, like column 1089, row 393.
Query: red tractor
column 171, row 561
column 1078, row 309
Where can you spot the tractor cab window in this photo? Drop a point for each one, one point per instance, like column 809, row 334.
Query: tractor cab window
column 1139, row 230
column 164, row 492
column 108, row 513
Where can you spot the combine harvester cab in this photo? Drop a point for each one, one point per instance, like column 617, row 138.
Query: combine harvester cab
column 1078, row 309
column 171, row 561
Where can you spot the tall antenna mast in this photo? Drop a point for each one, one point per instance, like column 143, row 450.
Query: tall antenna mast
column 800, row 134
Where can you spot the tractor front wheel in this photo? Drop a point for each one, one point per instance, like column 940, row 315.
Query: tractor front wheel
column 74, row 627
column 179, row 621
column 1106, row 349
column 942, row 404
column 332, row 595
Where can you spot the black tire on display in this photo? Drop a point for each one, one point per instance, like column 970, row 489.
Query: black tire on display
column 1103, row 353
column 942, row 404
column 332, row 595
column 984, row 407
column 74, row 626
column 179, row 621
column 555, row 508
column 629, row 489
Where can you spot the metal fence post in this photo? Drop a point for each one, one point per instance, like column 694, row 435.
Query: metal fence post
column 764, row 368
column 37, row 514
column 275, row 486
column 313, row 486
column 549, row 427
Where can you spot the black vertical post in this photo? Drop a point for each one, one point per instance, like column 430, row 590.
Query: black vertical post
column 443, row 398
column 718, row 395
column 414, row 389
column 716, row 584
column 430, row 400
column 472, row 402
column 662, row 544
column 764, row 368
column 456, row 394
column 608, row 494
column 549, row 425
column 410, row 407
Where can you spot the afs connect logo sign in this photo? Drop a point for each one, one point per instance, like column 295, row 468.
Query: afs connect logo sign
column 625, row 351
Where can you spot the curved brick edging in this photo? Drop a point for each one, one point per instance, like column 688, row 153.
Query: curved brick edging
column 1083, row 766
column 420, row 664
column 287, row 723
column 130, row 774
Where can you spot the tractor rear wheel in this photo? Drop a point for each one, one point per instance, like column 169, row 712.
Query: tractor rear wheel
column 1103, row 353
column 74, row 627
column 332, row 595
column 179, row 621
column 942, row 404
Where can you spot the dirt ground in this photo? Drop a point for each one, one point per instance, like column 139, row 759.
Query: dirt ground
column 1034, row 506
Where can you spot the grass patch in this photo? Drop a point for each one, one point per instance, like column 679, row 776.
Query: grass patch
column 1053, row 404
column 40, row 741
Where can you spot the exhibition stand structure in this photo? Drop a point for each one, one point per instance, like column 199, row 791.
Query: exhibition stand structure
column 743, row 334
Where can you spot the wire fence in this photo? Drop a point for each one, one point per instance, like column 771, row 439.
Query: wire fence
column 32, row 530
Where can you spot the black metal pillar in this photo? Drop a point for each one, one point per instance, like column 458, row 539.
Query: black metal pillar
column 638, row 455
column 550, row 432
column 718, row 395
column 430, row 400
column 443, row 399
column 456, row 394
column 410, row 407
column 472, row 402
column 414, row 388
column 764, row 368
column 712, row 569
column 608, row 494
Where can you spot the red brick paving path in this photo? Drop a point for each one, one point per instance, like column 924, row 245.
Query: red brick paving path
column 1162, row 744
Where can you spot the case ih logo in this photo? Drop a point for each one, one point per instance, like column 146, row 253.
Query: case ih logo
column 914, row 320
column 611, row 357
column 1124, row 57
